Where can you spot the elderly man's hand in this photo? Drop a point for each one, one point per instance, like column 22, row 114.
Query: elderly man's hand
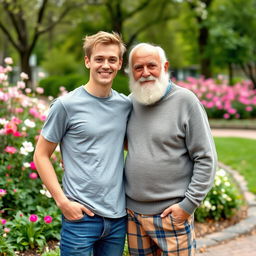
column 177, row 213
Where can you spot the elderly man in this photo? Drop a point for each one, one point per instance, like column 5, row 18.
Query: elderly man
column 171, row 158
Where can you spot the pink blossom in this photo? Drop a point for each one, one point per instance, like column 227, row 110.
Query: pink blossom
column 18, row 110
column 32, row 166
column 226, row 116
column 3, row 221
column 47, row 219
column 10, row 127
column 33, row 175
column 16, row 120
column 17, row 134
column 21, row 85
column 7, row 230
column 10, row 150
column 40, row 90
column 33, row 218
column 2, row 192
column 248, row 108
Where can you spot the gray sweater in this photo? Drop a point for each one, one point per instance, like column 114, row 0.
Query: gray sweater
column 171, row 154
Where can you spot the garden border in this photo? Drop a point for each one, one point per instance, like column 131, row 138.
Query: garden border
column 241, row 228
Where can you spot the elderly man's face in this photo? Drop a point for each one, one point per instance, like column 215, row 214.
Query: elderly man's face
column 148, row 77
column 146, row 65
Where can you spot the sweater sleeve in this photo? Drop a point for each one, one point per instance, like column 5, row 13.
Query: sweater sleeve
column 201, row 149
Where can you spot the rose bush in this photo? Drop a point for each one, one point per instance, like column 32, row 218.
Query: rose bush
column 221, row 100
column 22, row 114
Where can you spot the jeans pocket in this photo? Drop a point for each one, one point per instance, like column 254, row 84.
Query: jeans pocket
column 73, row 221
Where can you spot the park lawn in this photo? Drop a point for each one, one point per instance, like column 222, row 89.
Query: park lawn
column 240, row 155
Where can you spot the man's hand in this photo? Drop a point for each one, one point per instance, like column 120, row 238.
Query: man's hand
column 177, row 212
column 74, row 210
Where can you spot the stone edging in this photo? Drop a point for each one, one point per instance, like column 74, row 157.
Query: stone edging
column 243, row 227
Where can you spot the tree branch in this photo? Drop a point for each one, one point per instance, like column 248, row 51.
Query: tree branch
column 9, row 36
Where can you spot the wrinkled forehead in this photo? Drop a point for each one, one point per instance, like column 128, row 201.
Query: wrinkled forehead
column 145, row 54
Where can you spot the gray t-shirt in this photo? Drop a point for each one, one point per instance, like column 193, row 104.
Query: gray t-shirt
column 91, row 133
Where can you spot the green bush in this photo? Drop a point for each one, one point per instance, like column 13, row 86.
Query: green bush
column 221, row 202
column 52, row 84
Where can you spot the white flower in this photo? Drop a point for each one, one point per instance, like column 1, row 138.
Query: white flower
column 41, row 74
column 217, row 181
column 8, row 60
column 227, row 184
column 45, row 192
column 207, row 204
column 29, row 123
column 24, row 128
column 26, row 148
column 3, row 77
column 26, row 165
column 3, row 121
column 23, row 76
column 221, row 172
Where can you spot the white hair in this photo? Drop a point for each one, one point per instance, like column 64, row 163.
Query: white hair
column 159, row 50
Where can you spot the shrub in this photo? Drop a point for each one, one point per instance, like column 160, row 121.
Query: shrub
column 22, row 116
column 52, row 84
column 223, row 101
column 221, row 202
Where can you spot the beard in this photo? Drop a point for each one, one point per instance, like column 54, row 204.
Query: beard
column 149, row 94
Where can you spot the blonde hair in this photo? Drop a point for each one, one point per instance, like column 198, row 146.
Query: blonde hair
column 103, row 37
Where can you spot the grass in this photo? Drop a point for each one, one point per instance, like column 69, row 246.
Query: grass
column 233, row 123
column 240, row 155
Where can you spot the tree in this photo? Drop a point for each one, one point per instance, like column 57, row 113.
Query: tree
column 201, row 10
column 233, row 37
column 23, row 22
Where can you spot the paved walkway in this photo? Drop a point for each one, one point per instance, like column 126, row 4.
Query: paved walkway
column 244, row 245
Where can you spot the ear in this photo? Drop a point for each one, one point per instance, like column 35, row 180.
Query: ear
column 87, row 61
column 166, row 66
column 120, row 64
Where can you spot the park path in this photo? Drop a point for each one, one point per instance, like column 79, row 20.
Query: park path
column 241, row 246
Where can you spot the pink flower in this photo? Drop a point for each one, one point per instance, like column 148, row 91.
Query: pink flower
column 17, row 134
column 33, row 218
column 248, row 108
column 3, row 221
column 226, row 116
column 19, row 110
column 47, row 219
column 32, row 166
column 33, row 175
column 10, row 127
column 10, row 150
column 2, row 192
column 40, row 90
column 7, row 230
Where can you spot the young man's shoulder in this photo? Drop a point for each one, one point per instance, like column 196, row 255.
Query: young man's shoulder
column 121, row 97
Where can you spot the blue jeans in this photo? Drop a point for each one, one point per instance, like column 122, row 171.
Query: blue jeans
column 102, row 236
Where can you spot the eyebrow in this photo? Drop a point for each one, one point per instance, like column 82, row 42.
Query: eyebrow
column 149, row 63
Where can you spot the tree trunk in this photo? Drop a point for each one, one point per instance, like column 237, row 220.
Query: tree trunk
column 230, row 74
column 205, row 61
column 25, row 67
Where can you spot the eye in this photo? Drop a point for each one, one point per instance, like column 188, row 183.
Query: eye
column 113, row 60
column 98, row 59
column 138, row 68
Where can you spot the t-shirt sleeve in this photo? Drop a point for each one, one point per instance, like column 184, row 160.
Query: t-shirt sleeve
column 56, row 123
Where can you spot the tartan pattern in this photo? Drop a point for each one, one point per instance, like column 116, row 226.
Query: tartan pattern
column 151, row 235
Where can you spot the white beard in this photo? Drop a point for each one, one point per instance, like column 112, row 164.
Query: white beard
column 149, row 93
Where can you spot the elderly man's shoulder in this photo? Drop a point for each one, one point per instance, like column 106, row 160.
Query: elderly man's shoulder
column 185, row 93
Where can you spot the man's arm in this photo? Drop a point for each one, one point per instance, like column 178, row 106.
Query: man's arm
column 44, row 149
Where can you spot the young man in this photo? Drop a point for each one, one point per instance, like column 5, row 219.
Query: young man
column 171, row 158
column 90, row 125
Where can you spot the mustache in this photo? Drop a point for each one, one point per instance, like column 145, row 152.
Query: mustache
column 144, row 79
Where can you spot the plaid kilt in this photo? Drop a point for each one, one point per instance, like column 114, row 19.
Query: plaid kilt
column 152, row 235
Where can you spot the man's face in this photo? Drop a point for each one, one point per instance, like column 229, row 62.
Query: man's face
column 148, row 77
column 104, row 63
column 146, row 65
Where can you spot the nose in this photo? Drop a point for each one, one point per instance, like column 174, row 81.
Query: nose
column 105, row 64
column 145, row 72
